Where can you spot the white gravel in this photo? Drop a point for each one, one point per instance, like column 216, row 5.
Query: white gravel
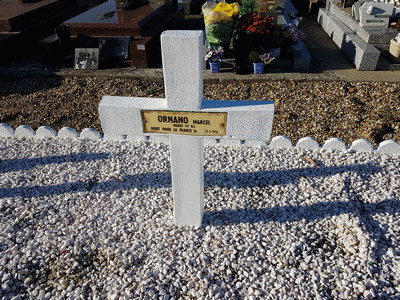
column 93, row 220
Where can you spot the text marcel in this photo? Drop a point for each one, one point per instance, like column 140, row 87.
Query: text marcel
column 181, row 120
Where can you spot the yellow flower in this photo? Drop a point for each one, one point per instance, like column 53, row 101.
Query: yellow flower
column 231, row 10
column 221, row 13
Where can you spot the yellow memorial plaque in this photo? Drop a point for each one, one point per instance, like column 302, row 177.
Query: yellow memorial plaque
column 186, row 123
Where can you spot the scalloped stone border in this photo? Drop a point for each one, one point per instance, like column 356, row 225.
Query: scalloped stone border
column 361, row 145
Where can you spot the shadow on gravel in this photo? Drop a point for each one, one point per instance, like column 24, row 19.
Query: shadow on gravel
column 351, row 204
column 282, row 177
column 29, row 163
column 139, row 181
column 163, row 180
column 289, row 213
column 265, row 178
column 21, row 83
column 286, row 213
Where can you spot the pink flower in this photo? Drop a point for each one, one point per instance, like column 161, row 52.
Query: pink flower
column 294, row 33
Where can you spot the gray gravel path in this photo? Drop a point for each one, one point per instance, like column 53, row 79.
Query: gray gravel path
column 94, row 220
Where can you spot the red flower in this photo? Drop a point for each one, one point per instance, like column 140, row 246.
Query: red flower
column 255, row 23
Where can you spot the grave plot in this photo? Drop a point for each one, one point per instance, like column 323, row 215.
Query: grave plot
column 141, row 22
column 25, row 22
column 362, row 31
column 288, row 54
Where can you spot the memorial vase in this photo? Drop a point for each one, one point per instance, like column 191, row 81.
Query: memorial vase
column 258, row 68
column 214, row 66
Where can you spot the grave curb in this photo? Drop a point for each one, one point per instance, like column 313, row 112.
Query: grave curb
column 389, row 147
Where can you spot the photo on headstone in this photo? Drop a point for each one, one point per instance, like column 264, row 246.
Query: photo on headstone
column 86, row 58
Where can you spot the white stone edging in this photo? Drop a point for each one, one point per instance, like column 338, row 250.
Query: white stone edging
column 361, row 145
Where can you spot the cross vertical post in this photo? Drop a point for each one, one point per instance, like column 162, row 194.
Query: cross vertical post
column 183, row 78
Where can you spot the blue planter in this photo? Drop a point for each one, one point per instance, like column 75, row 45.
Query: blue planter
column 214, row 67
column 258, row 68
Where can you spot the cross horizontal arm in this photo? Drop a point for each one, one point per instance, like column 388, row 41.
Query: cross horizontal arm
column 121, row 115
column 247, row 120
column 250, row 120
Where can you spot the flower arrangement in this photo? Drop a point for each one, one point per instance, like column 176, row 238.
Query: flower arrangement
column 214, row 55
column 293, row 33
column 260, row 55
column 267, row 34
column 227, row 11
column 255, row 23
column 219, row 21
column 266, row 58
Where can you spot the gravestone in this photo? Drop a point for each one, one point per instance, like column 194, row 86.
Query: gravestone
column 365, row 43
column 142, row 20
column 375, row 14
column 24, row 23
column 16, row 15
column 186, row 118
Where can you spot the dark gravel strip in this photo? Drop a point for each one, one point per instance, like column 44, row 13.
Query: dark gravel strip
column 350, row 111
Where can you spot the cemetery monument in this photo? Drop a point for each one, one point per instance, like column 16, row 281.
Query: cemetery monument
column 138, row 24
column 364, row 33
column 186, row 119
column 23, row 23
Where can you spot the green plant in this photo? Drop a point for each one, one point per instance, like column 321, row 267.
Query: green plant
column 248, row 6
column 259, row 55
column 278, row 37
column 386, row 115
column 272, row 88
column 149, row 91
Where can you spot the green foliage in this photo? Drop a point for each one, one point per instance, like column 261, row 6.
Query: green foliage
column 248, row 6
column 149, row 91
column 254, row 56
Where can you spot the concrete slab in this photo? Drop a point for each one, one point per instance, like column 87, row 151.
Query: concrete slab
column 363, row 55
column 370, row 35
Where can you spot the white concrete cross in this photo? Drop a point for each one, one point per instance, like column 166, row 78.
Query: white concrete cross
column 182, row 56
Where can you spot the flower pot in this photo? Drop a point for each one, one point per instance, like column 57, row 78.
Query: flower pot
column 394, row 51
column 214, row 67
column 258, row 68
